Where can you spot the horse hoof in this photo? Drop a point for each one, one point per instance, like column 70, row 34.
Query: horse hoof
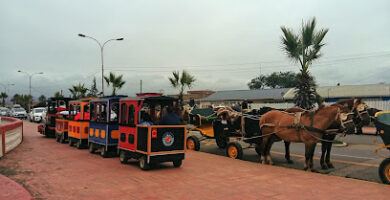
column 324, row 167
column 305, row 168
column 330, row 165
column 313, row 170
column 290, row 162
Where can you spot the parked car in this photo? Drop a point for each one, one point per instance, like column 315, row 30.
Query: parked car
column 37, row 114
column 4, row 111
column 19, row 112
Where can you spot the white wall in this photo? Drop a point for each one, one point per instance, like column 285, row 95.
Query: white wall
column 13, row 138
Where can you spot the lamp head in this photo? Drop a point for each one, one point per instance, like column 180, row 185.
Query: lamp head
column 81, row 35
column 120, row 39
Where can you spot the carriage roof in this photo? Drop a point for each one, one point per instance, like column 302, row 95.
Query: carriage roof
column 383, row 117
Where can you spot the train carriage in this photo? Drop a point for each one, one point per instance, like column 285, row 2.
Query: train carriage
column 150, row 144
column 103, row 125
column 61, row 128
column 78, row 127
column 55, row 105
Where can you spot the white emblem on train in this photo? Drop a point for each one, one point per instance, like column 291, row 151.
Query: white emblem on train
column 168, row 138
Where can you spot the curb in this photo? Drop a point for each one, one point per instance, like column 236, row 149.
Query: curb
column 9, row 189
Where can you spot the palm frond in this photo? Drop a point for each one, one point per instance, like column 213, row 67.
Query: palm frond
column 290, row 43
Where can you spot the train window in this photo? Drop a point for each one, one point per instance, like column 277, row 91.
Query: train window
column 103, row 113
column 123, row 115
column 114, row 112
column 86, row 112
column 131, row 117
column 76, row 112
column 94, row 112
column 123, row 137
column 131, row 139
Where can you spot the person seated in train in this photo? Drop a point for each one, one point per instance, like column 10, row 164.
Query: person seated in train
column 86, row 115
column 145, row 119
column 62, row 107
column 170, row 118
column 78, row 116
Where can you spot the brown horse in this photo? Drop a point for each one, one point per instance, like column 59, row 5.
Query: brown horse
column 307, row 127
column 355, row 105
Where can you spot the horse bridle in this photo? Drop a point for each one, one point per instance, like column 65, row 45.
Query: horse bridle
column 360, row 110
column 343, row 117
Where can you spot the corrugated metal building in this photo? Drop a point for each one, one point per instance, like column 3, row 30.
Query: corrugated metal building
column 375, row 95
column 259, row 98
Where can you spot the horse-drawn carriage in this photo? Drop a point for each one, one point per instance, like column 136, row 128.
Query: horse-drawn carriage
column 231, row 134
column 382, row 123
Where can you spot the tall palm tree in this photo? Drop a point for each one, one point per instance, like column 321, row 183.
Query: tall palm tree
column 181, row 82
column 4, row 96
column 116, row 82
column 78, row 91
column 304, row 48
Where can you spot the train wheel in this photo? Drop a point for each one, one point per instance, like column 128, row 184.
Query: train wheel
column 193, row 143
column 234, row 150
column 62, row 138
column 143, row 164
column 384, row 171
column 123, row 157
column 78, row 144
column 91, row 148
column 103, row 152
column 57, row 137
column 177, row 163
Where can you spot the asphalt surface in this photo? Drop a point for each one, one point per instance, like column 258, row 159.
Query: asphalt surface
column 356, row 160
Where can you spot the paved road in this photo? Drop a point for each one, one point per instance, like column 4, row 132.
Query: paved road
column 50, row 170
column 357, row 160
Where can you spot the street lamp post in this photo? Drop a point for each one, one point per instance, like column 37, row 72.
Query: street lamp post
column 6, row 86
column 101, row 53
column 29, row 78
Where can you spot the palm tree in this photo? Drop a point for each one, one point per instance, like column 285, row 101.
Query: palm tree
column 180, row 82
column 4, row 96
column 58, row 94
column 304, row 48
column 116, row 82
column 15, row 99
column 78, row 91
column 42, row 101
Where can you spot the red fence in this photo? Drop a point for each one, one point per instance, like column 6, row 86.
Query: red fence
column 11, row 134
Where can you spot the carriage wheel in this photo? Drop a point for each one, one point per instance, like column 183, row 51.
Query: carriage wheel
column 123, row 157
column 177, row 163
column 193, row 143
column 384, row 171
column 234, row 150
column 143, row 163
column 91, row 148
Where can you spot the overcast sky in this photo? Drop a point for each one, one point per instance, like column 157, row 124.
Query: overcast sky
column 222, row 43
